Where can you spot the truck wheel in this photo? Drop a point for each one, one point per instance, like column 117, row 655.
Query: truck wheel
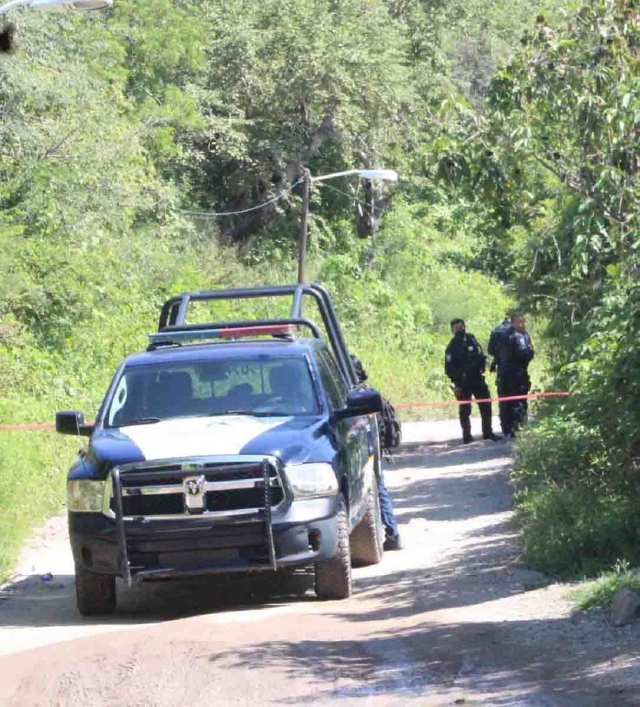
column 367, row 538
column 333, row 576
column 95, row 593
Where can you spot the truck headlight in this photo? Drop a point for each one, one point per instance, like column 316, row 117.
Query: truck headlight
column 85, row 496
column 312, row 480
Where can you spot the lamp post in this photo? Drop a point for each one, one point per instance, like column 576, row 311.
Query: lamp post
column 387, row 175
column 76, row 5
column 6, row 34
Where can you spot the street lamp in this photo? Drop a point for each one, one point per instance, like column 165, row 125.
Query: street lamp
column 77, row 5
column 387, row 175
column 6, row 35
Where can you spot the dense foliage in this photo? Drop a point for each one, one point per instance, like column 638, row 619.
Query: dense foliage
column 118, row 126
column 557, row 153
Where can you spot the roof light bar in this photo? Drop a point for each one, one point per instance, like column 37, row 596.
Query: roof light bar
column 230, row 333
column 259, row 330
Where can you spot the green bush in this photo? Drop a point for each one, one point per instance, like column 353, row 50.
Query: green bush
column 599, row 594
column 33, row 468
column 574, row 530
column 577, row 488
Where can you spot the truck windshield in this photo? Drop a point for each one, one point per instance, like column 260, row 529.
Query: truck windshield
column 268, row 386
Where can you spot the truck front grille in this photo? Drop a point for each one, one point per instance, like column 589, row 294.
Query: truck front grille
column 196, row 489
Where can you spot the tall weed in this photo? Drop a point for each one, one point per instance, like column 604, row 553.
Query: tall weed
column 576, row 470
column 32, row 485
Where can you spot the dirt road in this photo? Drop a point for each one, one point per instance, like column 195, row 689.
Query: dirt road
column 452, row 619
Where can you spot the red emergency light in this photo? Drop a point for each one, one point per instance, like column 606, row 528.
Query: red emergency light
column 232, row 332
column 258, row 330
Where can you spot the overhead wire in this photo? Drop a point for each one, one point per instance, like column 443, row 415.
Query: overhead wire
column 280, row 195
column 240, row 212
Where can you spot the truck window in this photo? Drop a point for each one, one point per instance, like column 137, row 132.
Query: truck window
column 337, row 395
column 336, row 375
column 262, row 386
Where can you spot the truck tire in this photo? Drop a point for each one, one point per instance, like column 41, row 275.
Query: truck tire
column 333, row 576
column 95, row 593
column 367, row 538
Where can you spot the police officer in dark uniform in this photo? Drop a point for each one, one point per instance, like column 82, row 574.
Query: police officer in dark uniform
column 498, row 349
column 465, row 365
column 392, row 540
column 514, row 373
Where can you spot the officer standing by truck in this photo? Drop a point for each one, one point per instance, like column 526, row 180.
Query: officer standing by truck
column 514, row 373
column 392, row 540
column 465, row 366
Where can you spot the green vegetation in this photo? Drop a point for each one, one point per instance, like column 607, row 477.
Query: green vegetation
column 599, row 594
column 516, row 141
column 558, row 154
column 32, row 485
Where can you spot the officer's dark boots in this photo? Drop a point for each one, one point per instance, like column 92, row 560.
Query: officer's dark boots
column 466, row 431
column 393, row 543
column 488, row 433
column 487, row 424
column 504, row 419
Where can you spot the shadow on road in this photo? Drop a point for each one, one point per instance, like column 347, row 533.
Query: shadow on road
column 32, row 602
column 477, row 489
column 483, row 571
column 510, row 664
column 438, row 455
column 392, row 640
column 473, row 482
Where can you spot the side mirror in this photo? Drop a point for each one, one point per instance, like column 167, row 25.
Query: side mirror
column 71, row 422
column 361, row 402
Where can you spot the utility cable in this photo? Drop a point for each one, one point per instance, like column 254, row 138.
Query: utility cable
column 221, row 214
column 281, row 194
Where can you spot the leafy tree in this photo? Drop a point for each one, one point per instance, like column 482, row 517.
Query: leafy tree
column 558, row 147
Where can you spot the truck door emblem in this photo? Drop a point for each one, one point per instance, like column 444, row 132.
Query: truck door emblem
column 194, row 493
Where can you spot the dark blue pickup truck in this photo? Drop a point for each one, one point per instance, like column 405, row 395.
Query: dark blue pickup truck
column 230, row 446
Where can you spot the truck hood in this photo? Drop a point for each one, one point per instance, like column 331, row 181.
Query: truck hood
column 292, row 439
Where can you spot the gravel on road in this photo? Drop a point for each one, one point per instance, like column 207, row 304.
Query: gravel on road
column 454, row 619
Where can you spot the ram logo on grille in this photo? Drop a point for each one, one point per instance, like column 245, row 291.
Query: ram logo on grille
column 194, row 493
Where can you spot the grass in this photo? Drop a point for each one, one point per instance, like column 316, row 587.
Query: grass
column 598, row 594
column 33, row 467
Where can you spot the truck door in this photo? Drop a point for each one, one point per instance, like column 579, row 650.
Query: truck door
column 352, row 436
